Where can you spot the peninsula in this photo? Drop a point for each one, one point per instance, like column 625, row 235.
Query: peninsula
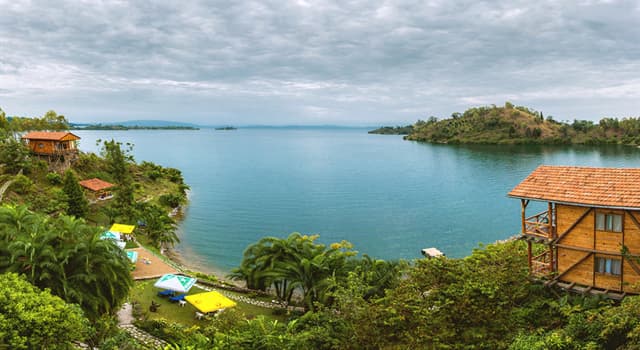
column 511, row 124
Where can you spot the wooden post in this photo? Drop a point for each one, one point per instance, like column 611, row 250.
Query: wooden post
column 529, row 255
column 523, row 204
column 551, row 259
column 550, row 218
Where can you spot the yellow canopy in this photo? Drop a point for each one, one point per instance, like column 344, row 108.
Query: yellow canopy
column 209, row 301
column 128, row 229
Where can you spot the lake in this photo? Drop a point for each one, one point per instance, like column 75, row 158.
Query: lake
column 387, row 196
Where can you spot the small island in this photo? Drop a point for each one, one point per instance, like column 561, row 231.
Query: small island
column 226, row 128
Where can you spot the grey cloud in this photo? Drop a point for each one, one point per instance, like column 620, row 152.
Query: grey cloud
column 304, row 62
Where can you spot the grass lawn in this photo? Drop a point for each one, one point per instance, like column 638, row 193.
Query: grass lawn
column 144, row 292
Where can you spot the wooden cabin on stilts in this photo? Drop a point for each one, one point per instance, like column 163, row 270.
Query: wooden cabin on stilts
column 588, row 237
column 57, row 147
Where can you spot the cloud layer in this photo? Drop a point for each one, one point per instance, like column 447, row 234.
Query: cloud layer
column 308, row 62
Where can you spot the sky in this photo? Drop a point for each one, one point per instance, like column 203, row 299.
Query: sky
column 304, row 62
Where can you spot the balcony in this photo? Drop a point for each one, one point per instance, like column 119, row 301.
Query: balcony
column 539, row 225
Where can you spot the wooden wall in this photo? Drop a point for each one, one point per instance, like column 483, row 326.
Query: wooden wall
column 49, row 146
column 583, row 240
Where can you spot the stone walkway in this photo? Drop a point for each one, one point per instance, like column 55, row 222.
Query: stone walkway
column 125, row 319
column 247, row 300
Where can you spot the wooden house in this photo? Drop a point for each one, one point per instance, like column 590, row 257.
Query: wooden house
column 58, row 143
column 588, row 238
column 98, row 188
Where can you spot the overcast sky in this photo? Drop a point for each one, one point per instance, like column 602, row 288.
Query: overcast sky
column 326, row 62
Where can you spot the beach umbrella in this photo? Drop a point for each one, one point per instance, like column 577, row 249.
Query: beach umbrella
column 132, row 255
column 126, row 229
column 176, row 283
column 209, row 301
column 110, row 235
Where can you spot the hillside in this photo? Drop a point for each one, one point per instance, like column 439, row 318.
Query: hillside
column 520, row 125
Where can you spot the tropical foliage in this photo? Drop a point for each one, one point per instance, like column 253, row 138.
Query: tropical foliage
column 66, row 256
column 296, row 263
column 34, row 319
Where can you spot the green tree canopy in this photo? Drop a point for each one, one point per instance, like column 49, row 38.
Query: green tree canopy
column 34, row 319
column 77, row 204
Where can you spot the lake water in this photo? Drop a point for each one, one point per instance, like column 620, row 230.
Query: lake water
column 387, row 196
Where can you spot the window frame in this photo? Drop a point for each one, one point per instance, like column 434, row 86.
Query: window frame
column 608, row 264
column 608, row 217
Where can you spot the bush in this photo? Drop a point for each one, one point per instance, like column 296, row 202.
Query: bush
column 54, row 178
column 170, row 200
column 21, row 184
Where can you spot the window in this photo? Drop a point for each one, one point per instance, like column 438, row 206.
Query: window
column 609, row 222
column 41, row 145
column 609, row 266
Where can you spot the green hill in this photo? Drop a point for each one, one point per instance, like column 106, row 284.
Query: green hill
column 520, row 125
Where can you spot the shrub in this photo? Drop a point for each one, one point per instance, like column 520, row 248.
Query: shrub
column 54, row 178
column 21, row 184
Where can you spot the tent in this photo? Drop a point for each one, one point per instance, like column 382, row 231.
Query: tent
column 110, row 235
column 209, row 301
column 176, row 283
column 132, row 255
column 126, row 229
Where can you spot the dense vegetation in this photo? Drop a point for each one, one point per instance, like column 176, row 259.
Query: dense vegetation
column 393, row 130
column 60, row 283
column 34, row 319
column 50, row 235
column 518, row 125
column 484, row 301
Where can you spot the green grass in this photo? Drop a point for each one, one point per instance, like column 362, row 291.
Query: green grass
column 144, row 292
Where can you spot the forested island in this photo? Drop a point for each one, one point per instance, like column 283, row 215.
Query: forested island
column 60, row 284
column 393, row 130
column 521, row 125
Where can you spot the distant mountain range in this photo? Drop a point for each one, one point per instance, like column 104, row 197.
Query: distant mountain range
column 141, row 123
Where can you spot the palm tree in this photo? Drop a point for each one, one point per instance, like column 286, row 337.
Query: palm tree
column 97, row 273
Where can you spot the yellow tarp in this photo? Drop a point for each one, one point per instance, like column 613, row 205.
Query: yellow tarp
column 127, row 229
column 209, row 301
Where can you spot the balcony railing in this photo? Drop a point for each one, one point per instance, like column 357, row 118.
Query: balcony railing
column 541, row 265
column 539, row 225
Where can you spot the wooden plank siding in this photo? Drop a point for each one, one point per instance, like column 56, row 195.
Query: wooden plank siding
column 51, row 147
column 582, row 238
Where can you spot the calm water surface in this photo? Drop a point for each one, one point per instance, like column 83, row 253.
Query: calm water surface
column 387, row 196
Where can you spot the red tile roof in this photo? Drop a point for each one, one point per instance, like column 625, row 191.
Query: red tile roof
column 586, row 186
column 95, row 184
column 50, row 135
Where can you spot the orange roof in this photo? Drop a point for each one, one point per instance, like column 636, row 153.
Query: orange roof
column 95, row 184
column 585, row 186
column 51, row 135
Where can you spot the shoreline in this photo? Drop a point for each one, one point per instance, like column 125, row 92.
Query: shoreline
column 176, row 257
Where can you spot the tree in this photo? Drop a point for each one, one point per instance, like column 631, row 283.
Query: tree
column 159, row 227
column 295, row 263
column 14, row 156
column 77, row 204
column 118, row 162
column 35, row 319
column 67, row 256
